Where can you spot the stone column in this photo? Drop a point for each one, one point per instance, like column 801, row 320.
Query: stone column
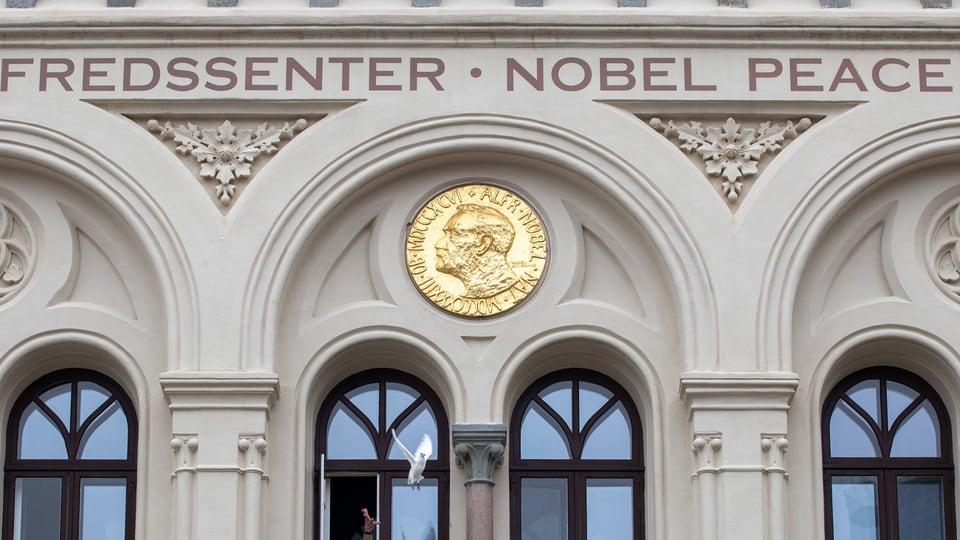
column 479, row 450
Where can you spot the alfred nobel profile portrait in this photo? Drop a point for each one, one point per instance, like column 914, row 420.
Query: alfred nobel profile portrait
column 474, row 250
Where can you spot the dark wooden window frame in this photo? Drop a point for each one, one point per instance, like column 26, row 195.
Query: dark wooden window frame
column 577, row 471
column 885, row 468
column 386, row 469
column 72, row 470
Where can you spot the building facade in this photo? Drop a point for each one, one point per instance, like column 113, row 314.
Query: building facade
column 650, row 269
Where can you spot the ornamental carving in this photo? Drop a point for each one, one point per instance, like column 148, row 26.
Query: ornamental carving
column 730, row 151
column 943, row 258
column 225, row 154
column 16, row 252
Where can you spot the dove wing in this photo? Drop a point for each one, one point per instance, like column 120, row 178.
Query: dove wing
column 425, row 448
column 406, row 452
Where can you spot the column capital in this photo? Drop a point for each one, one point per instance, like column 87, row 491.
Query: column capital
column 479, row 449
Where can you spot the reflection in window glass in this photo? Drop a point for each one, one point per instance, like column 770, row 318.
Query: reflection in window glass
column 58, row 399
column 106, row 437
column 399, row 397
column 414, row 511
column 92, row 395
column 899, row 397
column 37, row 509
column 559, row 396
column 854, row 507
column 347, row 438
column 367, row 399
column 592, row 397
column 412, row 430
column 103, row 508
column 610, row 436
column 920, row 508
column 919, row 434
column 609, row 508
column 541, row 436
column 850, row 435
column 866, row 394
column 39, row 437
column 543, row 509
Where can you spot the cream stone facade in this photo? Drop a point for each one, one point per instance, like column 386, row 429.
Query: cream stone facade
column 745, row 204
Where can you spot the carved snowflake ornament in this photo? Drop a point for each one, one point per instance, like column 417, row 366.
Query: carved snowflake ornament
column 730, row 150
column 15, row 252
column 225, row 153
column 944, row 251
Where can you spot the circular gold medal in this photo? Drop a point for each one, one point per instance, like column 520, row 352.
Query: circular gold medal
column 476, row 250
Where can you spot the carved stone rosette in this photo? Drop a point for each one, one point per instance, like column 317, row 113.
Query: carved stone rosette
column 226, row 153
column 17, row 251
column 731, row 151
column 943, row 251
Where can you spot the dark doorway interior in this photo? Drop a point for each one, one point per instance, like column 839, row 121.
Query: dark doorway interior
column 349, row 494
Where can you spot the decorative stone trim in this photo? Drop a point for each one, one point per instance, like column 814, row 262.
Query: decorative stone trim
column 706, row 447
column 221, row 3
column 775, row 449
column 936, row 3
column 215, row 390
column 732, row 392
column 733, row 3
column 834, row 3
column 185, row 452
column 528, row 3
column 943, row 250
column 16, row 252
column 21, row 3
column 479, row 449
column 226, row 153
column 730, row 150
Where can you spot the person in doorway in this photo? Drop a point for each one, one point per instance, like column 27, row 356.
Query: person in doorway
column 369, row 525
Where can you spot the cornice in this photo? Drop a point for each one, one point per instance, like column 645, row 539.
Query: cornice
column 902, row 30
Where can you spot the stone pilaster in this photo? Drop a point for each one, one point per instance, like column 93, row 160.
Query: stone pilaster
column 479, row 450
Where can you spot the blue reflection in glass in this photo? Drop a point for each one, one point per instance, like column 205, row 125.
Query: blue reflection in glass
column 609, row 508
column 559, row 396
column 106, row 437
column 918, row 435
column 898, row 398
column 850, row 435
column 610, row 436
column 920, row 507
column 543, row 509
column 866, row 394
column 421, row 422
column 347, row 438
column 37, row 509
column 367, row 399
column 59, row 400
column 541, row 436
column 854, row 507
column 39, row 437
column 414, row 512
column 399, row 397
column 103, row 508
column 92, row 395
column 592, row 397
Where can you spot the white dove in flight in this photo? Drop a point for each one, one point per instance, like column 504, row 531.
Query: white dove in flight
column 418, row 459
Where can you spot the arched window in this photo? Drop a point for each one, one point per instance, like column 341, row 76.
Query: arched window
column 358, row 464
column 576, row 460
column 887, row 462
column 71, row 460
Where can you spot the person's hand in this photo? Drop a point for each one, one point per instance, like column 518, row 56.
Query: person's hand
column 368, row 522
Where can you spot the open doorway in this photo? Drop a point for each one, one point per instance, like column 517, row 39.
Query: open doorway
column 347, row 495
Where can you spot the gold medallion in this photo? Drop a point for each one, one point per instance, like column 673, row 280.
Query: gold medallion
column 476, row 250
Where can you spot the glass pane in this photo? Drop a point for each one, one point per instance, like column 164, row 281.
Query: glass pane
column 367, row 399
column 559, row 396
column 399, row 397
column 414, row 511
column 866, row 394
column 92, row 395
column 412, row 430
column 58, row 399
column 920, row 507
column 543, row 509
column 854, row 507
column 106, row 437
column 850, row 435
column 898, row 397
column 347, row 438
column 37, row 509
column 39, row 437
column 103, row 508
column 541, row 436
column 592, row 397
column 919, row 434
column 610, row 436
column 609, row 508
